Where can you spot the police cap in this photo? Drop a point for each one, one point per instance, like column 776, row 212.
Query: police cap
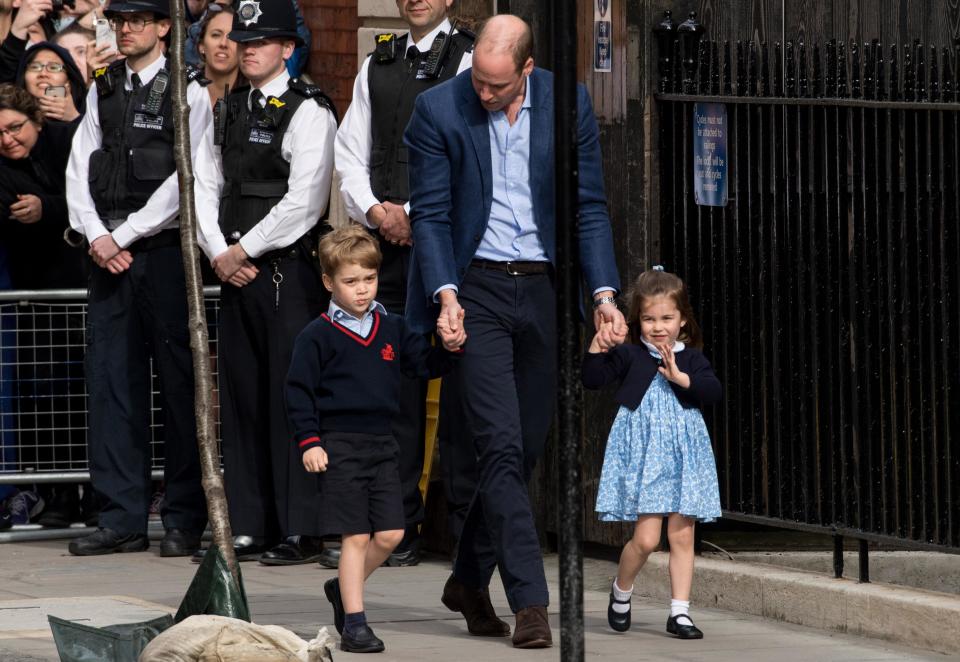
column 159, row 8
column 265, row 19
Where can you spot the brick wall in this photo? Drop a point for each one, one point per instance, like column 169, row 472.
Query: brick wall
column 333, row 55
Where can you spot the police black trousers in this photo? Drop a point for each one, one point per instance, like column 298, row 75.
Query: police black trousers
column 270, row 494
column 409, row 426
column 507, row 379
column 133, row 316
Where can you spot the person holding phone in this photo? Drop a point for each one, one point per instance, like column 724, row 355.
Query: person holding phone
column 49, row 73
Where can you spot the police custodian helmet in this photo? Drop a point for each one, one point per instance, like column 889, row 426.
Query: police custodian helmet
column 160, row 8
column 265, row 19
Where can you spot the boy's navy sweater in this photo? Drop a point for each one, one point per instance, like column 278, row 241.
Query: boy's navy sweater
column 339, row 380
column 634, row 367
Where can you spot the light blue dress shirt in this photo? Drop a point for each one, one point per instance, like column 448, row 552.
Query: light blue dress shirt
column 511, row 234
column 360, row 326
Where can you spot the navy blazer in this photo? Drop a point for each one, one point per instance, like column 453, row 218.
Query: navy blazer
column 451, row 188
column 634, row 367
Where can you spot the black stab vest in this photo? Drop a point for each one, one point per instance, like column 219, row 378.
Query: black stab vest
column 394, row 88
column 255, row 173
column 136, row 154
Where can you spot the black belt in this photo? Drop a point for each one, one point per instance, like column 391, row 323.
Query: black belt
column 162, row 239
column 514, row 268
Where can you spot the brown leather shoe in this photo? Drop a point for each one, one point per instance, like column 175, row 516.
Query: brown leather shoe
column 475, row 606
column 533, row 629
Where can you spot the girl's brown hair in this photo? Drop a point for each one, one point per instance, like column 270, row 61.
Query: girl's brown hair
column 18, row 99
column 656, row 282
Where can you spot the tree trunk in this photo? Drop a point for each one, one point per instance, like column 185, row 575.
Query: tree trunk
column 199, row 340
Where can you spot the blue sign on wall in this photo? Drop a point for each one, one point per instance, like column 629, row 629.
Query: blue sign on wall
column 710, row 154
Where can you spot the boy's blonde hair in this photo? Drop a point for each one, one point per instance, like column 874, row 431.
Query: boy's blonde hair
column 349, row 245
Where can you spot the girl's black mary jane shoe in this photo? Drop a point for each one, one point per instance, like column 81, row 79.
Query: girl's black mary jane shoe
column 617, row 621
column 683, row 631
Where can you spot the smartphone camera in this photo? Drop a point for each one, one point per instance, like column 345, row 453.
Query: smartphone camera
column 58, row 5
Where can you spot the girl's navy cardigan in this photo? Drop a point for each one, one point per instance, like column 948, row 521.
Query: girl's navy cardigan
column 634, row 367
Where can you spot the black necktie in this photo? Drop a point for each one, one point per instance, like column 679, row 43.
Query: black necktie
column 135, row 82
column 413, row 53
column 256, row 100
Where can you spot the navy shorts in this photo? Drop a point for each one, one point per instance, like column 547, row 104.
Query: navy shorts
column 360, row 490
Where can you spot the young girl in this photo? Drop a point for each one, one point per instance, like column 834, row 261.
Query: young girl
column 658, row 460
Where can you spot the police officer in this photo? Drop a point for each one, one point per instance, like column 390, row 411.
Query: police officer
column 264, row 172
column 372, row 165
column 123, row 196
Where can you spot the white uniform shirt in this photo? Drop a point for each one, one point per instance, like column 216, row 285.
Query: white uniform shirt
column 163, row 207
column 308, row 146
column 355, row 137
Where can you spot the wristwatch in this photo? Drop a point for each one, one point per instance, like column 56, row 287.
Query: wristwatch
column 602, row 300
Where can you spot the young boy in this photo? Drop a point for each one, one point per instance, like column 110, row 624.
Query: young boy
column 342, row 393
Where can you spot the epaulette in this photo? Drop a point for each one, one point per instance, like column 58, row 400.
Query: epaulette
column 469, row 34
column 195, row 74
column 385, row 50
column 309, row 91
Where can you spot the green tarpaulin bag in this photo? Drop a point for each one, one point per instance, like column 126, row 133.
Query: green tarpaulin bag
column 213, row 591
column 77, row 642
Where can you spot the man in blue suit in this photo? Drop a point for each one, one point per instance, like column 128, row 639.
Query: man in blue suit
column 481, row 155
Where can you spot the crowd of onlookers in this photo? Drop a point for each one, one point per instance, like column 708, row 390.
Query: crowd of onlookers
column 49, row 50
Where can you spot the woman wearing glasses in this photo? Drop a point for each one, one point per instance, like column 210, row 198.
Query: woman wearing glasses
column 49, row 74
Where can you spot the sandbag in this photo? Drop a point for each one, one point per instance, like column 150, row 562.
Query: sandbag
column 222, row 639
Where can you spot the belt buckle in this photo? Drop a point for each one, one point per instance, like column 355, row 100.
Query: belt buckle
column 509, row 267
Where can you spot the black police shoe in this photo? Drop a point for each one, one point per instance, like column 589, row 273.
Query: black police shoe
column 330, row 557
column 63, row 510
column 108, row 541
column 294, row 550
column 177, row 542
column 683, row 631
column 244, row 547
column 619, row 622
column 407, row 552
column 331, row 588
column 361, row 640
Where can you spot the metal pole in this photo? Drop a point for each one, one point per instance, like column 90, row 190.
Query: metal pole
column 568, row 317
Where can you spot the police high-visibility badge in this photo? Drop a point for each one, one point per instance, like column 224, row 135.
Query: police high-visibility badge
column 275, row 102
column 99, row 72
column 249, row 12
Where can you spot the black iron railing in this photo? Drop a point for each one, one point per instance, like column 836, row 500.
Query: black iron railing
column 829, row 285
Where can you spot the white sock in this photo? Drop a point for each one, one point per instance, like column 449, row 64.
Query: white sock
column 623, row 596
column 681, row 608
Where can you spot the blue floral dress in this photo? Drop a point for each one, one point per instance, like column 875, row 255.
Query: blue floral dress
column 658, row 460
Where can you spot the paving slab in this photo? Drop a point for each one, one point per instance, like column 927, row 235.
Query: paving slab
column 402, row 604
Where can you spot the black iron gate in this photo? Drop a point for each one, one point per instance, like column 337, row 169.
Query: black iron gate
column 829, row 285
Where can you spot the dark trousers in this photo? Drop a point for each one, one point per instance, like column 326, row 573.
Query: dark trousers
column 507, row 378
column 458, row 460
column 139, row 314
column 409, row 426
column 270, row 494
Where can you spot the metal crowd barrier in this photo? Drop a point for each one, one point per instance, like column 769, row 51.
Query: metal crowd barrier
column 43, row 395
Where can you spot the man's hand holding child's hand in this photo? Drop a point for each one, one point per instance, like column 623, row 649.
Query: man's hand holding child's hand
column 606, row 338
column 315, row 460
column 452, row 339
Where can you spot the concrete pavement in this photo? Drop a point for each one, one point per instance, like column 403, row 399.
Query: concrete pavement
column 402, row 603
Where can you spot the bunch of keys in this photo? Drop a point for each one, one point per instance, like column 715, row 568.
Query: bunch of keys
column 277, row 279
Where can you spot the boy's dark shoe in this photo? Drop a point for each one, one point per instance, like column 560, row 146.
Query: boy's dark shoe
column 294, row 550
column 331, row 588
column 360, row 639
column 474, row 604
column 244, row 547
column 108, row 541
column 533, row 629
column 619, row 622
column 177, row 542
column 63, row 510
column 407, row 552
column 330, row 557
column 683, row 631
